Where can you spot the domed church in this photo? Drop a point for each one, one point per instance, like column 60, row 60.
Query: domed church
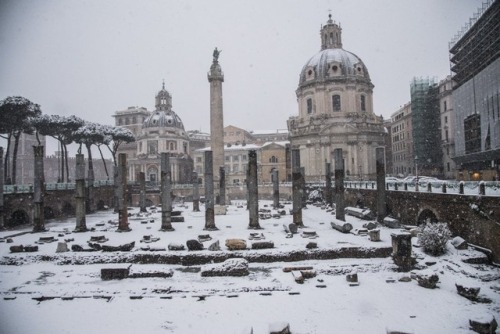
column 156, row 132
column 336, row 111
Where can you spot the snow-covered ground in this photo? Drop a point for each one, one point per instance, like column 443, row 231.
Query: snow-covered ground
column 190, row 303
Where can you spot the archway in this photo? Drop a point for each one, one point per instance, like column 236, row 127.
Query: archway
column 19, row 217
column 68, row 209
column 48, row 213
column 427, row 215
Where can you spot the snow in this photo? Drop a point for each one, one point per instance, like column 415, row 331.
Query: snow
column 189, row 303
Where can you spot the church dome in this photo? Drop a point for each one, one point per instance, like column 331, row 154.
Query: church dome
column 333, row 62
column 161, row 118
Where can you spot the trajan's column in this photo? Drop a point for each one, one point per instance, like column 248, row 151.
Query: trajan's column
column 216, row 78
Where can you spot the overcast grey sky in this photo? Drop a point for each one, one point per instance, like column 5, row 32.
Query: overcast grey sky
column 92, row 58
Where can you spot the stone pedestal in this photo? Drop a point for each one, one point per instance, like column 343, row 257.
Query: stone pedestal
column 401, row 251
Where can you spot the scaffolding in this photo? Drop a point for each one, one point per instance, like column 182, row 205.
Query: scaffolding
column 477, row 45
column 426, row 123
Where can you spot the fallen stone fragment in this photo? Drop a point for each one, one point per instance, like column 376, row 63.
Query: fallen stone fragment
column 290, row 269
column 47, row 239
column 374, row 235
column 312, row 245
column 30, row 248
column 256, row 236
column 17, row 249
column 114, row 273
column 351, row 278
column 469, row 293
column 308, row 233
column 297, row 276
column 405, row 279
column 292, row 228
column 230, row 267
column 391, row 222
column 398, row 331
column 308, row 273
column 62, row 247
column 341, row 226
column 204, row 237
column 262, row 244
column 428, row 282
column 485, row 324
column 79, row 248
column 98, row 238
column 459, row 243
column 9, row 240
column 279, row 328
column 194, row 245
column 360, row 213
column 214, row 246
column 236, row 244
column 173, row 246
column 147, row 274
column 370, row 225
column 121, row 248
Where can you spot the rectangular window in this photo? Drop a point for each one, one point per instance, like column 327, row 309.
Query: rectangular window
column 228, row 158
column 309, row 106
column 198, row 159
column 472, row 133
column 363, row 103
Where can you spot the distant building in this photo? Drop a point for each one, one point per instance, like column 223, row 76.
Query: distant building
column 263, row 136
column 336, row 111
column 445, row 88
column 475, row 63
column 403, row 163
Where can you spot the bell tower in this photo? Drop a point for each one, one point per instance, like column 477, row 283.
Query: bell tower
column 331, row 35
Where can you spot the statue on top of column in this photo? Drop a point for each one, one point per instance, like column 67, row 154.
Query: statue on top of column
column 216, row 55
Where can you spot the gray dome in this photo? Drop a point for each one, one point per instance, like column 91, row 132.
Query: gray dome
column 162, row 118
column 331, row 64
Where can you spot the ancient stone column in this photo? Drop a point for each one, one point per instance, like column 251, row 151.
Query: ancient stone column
column 222, row 185
column 209, row 193
column 303, row 191
column 166, row 197
column 196, row 193
column 116, row 187
column 381, row 199
column 296, row 188
column 80, row 196
column 328, row 187
column 253, row 191
column 276, row 189
column 2, row 182
column 38, row 191
column 90, row 205
column 339, row 184
column 216, row 78
column 122, row 191
column 142, row 192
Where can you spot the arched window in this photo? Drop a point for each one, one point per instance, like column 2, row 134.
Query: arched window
column 127, row 121
column 120, row 121
column 363, row 103
column 172, row 146
column 273, row 160
column 336, row 103
column 331, row 38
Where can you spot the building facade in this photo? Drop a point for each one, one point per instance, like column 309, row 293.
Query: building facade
column 475, row 63
column 336, row 111
column 403, row 160
column 445, row 88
